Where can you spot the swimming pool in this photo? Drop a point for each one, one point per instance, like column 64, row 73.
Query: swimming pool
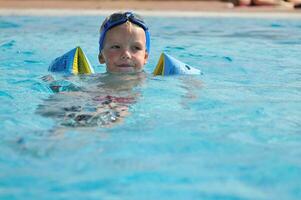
column 233, row 132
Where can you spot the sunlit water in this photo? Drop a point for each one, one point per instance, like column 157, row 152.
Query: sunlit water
column 233, row 132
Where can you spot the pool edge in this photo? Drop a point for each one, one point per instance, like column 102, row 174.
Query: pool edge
column 98, row 12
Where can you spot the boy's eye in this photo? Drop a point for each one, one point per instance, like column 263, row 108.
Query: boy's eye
column 115, row 47
column 137, row 48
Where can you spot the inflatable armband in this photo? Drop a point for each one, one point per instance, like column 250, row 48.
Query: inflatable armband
column 72, row 62
column 168, row 65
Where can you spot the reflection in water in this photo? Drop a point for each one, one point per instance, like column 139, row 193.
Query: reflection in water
column 191, row 86
column 94, row 101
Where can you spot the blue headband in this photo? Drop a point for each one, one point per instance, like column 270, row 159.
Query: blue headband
column 120, row 18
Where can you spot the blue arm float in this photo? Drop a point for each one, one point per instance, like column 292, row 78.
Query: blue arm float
column 167, row 65
column 72, row 62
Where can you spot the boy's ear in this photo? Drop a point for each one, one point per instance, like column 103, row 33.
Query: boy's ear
column 101, row 58
column 145, row 57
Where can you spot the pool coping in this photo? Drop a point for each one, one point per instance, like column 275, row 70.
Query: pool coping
column 169, row 13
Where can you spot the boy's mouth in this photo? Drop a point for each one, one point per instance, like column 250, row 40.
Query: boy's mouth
column 125, row 65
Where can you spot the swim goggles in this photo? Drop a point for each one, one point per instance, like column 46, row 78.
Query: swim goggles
column 120, row 18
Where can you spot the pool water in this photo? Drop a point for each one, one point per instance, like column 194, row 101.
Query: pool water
column 233, row 132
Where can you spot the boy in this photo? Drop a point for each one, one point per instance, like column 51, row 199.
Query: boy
column 124, row 43
column 124, row 48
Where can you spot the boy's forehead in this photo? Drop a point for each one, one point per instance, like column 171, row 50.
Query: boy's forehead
column 128, row 26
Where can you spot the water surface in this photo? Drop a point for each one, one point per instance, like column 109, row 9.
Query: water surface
column 231, row 133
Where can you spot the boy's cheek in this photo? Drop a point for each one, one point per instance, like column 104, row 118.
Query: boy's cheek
column 111, row 56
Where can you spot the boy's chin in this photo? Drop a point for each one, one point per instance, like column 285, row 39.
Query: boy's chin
column 125, row 71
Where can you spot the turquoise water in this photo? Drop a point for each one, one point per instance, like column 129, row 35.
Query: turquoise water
column 233, row 132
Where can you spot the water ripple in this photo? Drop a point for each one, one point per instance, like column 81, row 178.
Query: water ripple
column 8, row 44
column 227, row 58
column 5, row 94
column 27, row 53
column 32, row 61
column 8, row 25
column 276, row 25
column 175, row 47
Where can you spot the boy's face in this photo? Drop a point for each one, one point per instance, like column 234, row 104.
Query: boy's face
column 124, row 49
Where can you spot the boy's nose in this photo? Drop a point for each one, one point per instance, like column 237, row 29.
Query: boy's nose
column 126, row 54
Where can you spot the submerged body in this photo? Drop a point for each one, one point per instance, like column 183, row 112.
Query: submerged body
column 102, row 101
